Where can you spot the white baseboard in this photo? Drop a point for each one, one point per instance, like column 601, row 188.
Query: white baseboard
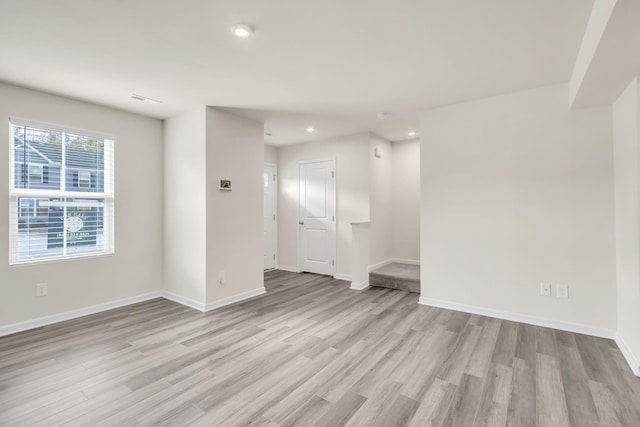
column 200, row 306
column 522, row 318
column 406, row 261
column 236, row 298
column 631, row 358
column 72, row 314
column 378, row 265
column 288, row 268
column 338, row 276
column 359, row 286
column 390, row 260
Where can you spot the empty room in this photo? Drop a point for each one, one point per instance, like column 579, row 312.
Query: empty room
column 286, row 213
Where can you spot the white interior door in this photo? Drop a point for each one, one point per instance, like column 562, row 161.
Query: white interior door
column 316, row 218
column 269, row 178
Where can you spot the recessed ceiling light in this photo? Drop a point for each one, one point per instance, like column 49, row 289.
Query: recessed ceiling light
column 311, row 129
column 144, row 98
column 412, row 133
column 241, row 30
column 383, row 115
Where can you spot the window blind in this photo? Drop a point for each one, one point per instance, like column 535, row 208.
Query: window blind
column 61, row 192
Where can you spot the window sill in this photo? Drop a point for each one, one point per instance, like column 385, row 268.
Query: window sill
column 61, row 259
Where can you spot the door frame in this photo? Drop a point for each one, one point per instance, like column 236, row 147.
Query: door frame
column 335, row 212
column 275, row 210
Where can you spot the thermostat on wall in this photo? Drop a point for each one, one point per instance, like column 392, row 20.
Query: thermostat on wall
column 225, row 185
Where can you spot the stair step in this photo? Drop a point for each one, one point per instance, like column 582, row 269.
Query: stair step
column 404, row 277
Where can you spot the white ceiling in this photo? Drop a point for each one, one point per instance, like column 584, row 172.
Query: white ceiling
column 331, row 64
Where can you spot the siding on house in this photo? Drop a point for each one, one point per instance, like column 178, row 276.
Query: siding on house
column 49, row 158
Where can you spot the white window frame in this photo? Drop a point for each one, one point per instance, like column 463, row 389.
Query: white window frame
column 104, row 199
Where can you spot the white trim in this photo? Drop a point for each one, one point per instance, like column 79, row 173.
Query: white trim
column 522, row 318
column 341, row 276
column 631, row 358
column 275, row 209
column 275, row 168
column 68, row 315
column 378, row 265
column 236, row 298
column 73, row 314
column 197, row 305
column 56, row 194
column 406, row 261
column 359, row 286
column 390, row 260
column 288, row 268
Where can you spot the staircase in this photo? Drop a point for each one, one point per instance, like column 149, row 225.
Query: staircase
column 404, row 277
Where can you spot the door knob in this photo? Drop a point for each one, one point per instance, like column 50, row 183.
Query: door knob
column 301, row 222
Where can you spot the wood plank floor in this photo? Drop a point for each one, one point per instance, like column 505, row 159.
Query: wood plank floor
column 311, row 352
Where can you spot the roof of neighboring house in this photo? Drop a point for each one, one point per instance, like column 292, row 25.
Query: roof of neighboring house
column 52, row 154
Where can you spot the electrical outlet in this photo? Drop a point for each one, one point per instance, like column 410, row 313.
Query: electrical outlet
column 42, row 289
column 221, row 278
column 545, row 289
column 562, row 291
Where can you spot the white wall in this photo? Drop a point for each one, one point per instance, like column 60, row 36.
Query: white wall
column 405, row 242
column 626, row 137
column 598, row 19
column 136, row 267
column 352, row 188
column 185, row 224
column 381, row 200
column 235, row 151
column 270, row 154
column 516, row 190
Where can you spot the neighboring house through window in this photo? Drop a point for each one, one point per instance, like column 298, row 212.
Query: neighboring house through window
column 35, row 174
column 84, row 179
column 61, row 193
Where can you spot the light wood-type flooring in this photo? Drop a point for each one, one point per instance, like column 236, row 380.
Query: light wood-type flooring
column 311, row 352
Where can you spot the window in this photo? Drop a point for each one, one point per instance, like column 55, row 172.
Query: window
column 26, row 207
column 32, row 208
column 35, row 174
column 84, row 179
column 61, row 193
